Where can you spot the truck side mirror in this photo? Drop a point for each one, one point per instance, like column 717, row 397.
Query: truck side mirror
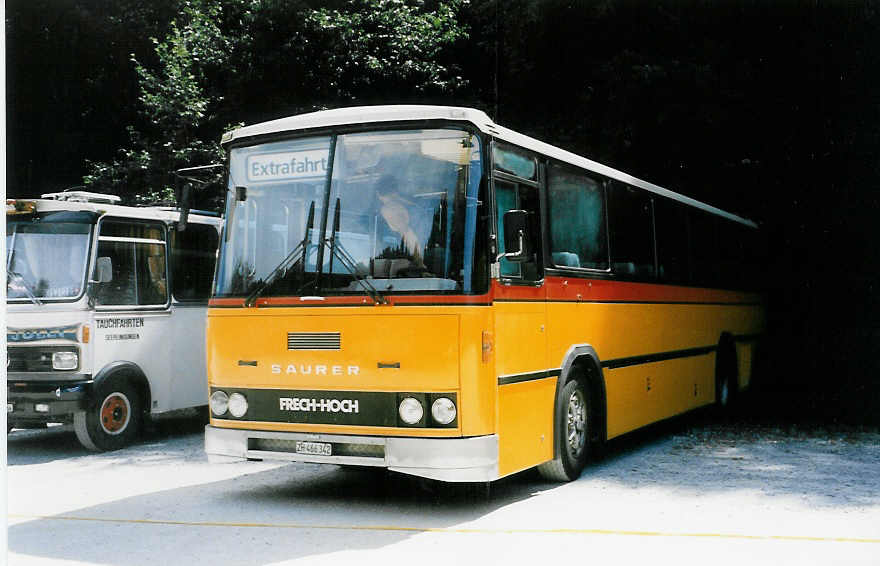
column 103, row 270
column 517, row 246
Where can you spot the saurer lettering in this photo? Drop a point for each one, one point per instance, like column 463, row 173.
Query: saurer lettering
column 303, row 369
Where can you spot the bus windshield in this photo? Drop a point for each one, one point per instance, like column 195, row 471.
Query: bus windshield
column 400, row 215
column 46, row 257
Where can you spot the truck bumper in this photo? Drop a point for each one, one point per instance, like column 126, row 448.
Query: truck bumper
column 35, row 403
column 473, row 459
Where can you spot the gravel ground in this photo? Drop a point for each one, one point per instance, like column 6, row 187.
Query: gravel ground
column 692, row 490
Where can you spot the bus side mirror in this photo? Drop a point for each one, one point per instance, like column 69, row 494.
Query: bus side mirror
column 184, row 204
column 517, row 246
column 103, row 270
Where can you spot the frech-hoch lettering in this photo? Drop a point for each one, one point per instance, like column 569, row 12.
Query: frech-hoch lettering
column 311, row 405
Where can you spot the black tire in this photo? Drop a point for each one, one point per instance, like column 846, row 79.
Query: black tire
column 726, row 377
column 573, row 430
column 114, row 419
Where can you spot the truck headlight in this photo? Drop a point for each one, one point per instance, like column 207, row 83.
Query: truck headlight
column 65, row 361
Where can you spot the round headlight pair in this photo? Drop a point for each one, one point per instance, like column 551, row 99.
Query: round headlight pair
column 442, row 410
column 236, row 404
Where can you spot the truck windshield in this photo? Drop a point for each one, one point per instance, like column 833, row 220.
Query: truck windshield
column 400, row 215
column 46, row 258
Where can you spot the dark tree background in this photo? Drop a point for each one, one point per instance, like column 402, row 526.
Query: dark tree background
column 768, row 109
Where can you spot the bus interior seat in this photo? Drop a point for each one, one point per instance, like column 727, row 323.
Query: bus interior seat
column 624, row 267
column 434, row 259
column 566, row 259
column 381, row 268
column 397, row 265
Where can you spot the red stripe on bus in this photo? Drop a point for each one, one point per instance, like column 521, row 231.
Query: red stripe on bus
column 607, row 290
column 357, row 301
column 553, row 289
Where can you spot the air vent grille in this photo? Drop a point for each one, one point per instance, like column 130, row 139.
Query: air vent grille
column 313, row 340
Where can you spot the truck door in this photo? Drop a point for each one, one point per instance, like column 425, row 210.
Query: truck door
column 132, row 313
column 193, row 255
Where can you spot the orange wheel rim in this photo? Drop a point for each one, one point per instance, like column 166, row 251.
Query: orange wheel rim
column 115, row 413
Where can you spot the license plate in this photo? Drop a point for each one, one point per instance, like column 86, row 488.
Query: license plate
column 313, row 448
column 8, row 407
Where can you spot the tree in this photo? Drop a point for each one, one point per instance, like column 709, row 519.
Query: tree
column 177, row 103
column 224, row 61
column 388, row 50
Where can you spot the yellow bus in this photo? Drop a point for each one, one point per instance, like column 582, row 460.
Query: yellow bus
column 420, row 289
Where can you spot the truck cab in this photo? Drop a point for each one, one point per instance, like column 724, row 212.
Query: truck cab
column 105, row 313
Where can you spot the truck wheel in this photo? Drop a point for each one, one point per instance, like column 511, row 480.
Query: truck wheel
column 113, row 420
column 573, row 430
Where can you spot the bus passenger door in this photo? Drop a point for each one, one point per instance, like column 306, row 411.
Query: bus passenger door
column 525, row 387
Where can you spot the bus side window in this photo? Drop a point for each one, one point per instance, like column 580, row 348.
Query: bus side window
column 631, row 232
column 509, row 196
column 672, row 241
column 577, row 219
column 193, row 254
column 505, row 199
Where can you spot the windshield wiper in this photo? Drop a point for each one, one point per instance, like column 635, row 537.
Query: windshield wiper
column 20, row 282
column 293, row 258
column 348, row 262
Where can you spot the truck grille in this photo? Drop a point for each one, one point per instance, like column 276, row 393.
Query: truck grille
column 32, row 359
column 313, row 340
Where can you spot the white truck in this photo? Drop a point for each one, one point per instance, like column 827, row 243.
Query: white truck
column 105, row 313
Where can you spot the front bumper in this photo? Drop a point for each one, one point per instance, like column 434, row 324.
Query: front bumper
column 473, row 459
column 61, row 401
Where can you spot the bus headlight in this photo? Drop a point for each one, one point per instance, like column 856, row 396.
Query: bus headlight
column 238, row 405
column 410, row 411
column 219, row 402
column 443, row 410
column 65, row 361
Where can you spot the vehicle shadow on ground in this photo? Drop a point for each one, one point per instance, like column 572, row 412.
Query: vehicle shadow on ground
column 291, row 512
column 58, row 442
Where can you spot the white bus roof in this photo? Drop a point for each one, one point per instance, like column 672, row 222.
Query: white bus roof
column 16, row 207
column 405, row 113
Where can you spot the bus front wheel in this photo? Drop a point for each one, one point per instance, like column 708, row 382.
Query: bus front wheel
column 573, row 435
column 114, row 418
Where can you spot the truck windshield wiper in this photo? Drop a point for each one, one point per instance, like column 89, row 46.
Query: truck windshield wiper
column 20, row 282
column 337, row 251
column 298, row 255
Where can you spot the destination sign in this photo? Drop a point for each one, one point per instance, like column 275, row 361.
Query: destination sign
column 291, row 165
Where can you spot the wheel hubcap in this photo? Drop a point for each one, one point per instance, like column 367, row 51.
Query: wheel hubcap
column 724, row 393
column 115, row 413
column 576, row 425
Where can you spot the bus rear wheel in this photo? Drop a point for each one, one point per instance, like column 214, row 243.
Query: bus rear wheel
column 113, row 420
column 726, row 376
column 573, row 435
